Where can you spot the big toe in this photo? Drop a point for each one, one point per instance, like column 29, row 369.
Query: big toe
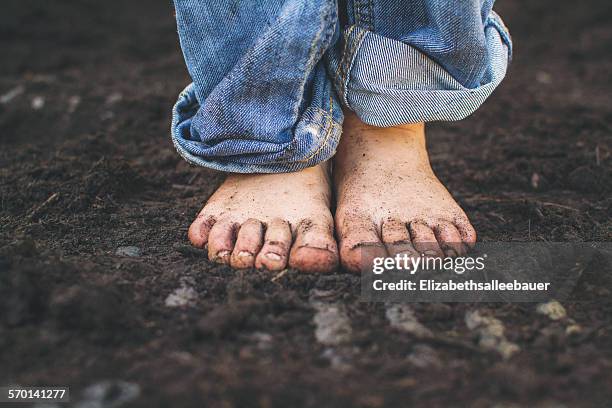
column 314, row 248
column 359, row 243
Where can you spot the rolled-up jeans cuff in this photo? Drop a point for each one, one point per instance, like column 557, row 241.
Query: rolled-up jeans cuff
column 316, row 137
column 387, row 82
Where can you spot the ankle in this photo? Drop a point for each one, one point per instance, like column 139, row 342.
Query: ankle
column 352, row 120
column 415, row 128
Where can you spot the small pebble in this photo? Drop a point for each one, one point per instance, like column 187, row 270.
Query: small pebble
column 402, row 318
column 490, row 334
column 12, row 94
column 114, row 98
column 262, row 340
column 107, row 115
column 38, row 102
column 108, row 394
column 332, row 324
column 73, row 103
column 424, row 356
column 336, row 359
column 183, row 296
column 131, row 251
column 573, row 329
column 535, row 180
column 543, row 77
column 553, row 309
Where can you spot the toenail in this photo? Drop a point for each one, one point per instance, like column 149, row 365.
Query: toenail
column 451, row 253
column 430, row 253
column 245, row 254
column 325, row 248
column 273, row 256
column 222, row 255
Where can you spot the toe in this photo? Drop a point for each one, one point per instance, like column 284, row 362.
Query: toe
column 314, row 249
column 396, row 238
column 200, row 229
column 248, row 243
column 221, row 241
column 424, row 240
column 449, row 239
column 359, row 243
column 275, row 251
column 466, row 230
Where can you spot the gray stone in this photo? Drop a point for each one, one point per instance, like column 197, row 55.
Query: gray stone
column 552, row 309
column 332, row 324
column 183, row 296
column 423, row 356
column 131, row 251
column 490, row 333
column 402, row 318
column 108, row 394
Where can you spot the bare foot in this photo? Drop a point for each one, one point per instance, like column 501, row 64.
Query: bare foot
column 270, row 221
column 389, row 200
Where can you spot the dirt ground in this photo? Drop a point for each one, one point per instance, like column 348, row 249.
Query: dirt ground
column 87, row 169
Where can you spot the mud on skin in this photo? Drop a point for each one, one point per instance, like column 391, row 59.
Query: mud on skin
column 388, row 201
column 532, row 164
column 270, row 221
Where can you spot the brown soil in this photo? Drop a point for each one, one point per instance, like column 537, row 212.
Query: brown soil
column 87, row 166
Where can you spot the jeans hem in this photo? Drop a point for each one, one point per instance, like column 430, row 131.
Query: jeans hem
column 424, row 92
column 318, row 138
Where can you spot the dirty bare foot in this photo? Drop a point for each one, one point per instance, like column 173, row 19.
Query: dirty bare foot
column 389, row 201
column 270, row 221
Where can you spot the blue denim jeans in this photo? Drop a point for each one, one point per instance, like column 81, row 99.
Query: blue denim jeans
column 270, row 78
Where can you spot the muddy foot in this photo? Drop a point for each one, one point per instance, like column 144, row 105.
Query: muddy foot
column 270, row 221
column 389, row 199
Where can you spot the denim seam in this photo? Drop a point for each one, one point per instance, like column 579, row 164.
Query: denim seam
column 370, row 15
column 338, row 75
column 346, row 44
column 346, row 63
column 363, row 14
column 328, row 127
column 495, row 21
column 330, row 20
column 328, row 132
column 321, row 37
